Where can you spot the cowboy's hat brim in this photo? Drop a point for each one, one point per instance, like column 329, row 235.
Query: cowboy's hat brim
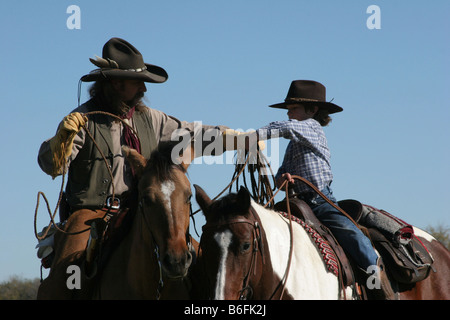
column 331, row 107
column 153, row 74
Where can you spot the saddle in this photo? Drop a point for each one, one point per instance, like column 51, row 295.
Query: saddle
column 301, row 210
column 407, row 259
column 105, row 235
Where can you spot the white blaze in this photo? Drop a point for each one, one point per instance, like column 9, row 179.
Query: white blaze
column 224, row 240
column 167, row 187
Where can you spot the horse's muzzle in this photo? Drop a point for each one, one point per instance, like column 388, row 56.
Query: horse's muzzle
column 176, row 266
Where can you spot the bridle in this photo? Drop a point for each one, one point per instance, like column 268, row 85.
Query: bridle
column 155, row 244
column 246, row 291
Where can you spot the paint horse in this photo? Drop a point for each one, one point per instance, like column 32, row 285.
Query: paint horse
column 153, row 260
column 247, row 253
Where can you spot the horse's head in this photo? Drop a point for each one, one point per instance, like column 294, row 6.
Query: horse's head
column 230, row 244
column 165, row 203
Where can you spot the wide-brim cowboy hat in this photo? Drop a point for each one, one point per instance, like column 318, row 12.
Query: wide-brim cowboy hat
column 307, row 92
column 121, row 60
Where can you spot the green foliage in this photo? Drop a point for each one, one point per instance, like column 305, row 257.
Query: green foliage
column 16, row 288
column 441, row 232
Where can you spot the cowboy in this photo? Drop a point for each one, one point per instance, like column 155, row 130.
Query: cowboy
column 118, row 89
column 307, row 155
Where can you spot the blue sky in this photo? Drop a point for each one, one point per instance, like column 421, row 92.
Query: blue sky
column 227, row 61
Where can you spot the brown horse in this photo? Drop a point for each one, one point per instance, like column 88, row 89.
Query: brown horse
column 246, row 249
column 437, row 285
column 153, row 257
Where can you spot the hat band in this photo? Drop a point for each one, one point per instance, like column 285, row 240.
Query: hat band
column 301, row 100
column 132, row 70
column 136, row 70
column 114, row 65
column 107, row 63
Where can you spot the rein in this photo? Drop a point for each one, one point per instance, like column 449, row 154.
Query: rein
column 236, row 175
column 156, row 251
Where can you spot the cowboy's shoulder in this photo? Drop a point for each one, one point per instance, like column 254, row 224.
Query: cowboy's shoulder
column 157, row 114
column 85, row 107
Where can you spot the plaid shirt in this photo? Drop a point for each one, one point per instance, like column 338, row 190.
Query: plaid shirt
column 307, row 154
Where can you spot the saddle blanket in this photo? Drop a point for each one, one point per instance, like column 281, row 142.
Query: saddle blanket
column 328, row 255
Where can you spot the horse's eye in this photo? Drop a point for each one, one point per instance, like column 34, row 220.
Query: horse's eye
column 189, row 198
column 245, row 247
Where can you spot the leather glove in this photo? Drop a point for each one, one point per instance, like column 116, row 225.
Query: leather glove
column 233, row 140
column 61, row 144
column 71, row 125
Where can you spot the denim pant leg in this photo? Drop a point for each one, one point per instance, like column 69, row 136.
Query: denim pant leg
column 349, row 236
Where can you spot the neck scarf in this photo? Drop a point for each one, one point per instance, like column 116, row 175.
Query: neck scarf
column 130, row 138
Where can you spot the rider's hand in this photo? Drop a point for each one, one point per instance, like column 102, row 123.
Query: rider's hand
column 285, row 177
column 62, row 143
column 234, row 140
column 71, row 125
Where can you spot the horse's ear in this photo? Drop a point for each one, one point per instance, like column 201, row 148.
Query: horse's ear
column 187, row 156
column 202, row 198
column 243, row 198
column 136, row 160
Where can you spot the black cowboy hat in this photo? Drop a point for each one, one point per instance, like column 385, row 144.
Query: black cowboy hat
column 121, row 60
column 307, row 92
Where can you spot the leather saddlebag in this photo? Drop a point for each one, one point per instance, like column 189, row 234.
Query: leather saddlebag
column 408, row 263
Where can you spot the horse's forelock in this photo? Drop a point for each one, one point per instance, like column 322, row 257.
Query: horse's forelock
column 225, row 208
column 161, row 162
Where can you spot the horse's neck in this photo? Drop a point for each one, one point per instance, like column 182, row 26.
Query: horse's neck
column 140, row 245
column 131, row 265
column 307, row 276
column 278, row 234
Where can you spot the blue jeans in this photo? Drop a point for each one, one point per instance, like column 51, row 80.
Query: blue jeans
column 349, row 236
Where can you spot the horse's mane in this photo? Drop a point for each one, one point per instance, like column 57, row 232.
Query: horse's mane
column 161, row 163
column 227, row 207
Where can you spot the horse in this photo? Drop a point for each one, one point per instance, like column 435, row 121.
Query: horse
column 437, row 285
column 250, row 252
column 153, row 257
